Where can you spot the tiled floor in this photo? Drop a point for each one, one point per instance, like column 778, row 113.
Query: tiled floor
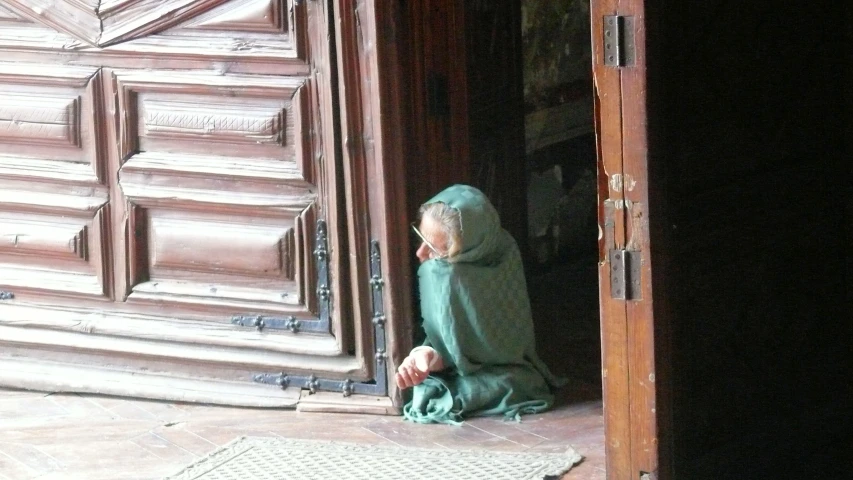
column 79, row 437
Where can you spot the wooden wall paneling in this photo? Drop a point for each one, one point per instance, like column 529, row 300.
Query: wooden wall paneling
column 236, row 183
column 614, row 328
column 100, row 375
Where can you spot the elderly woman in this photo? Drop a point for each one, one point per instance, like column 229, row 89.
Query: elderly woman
column 479, row 356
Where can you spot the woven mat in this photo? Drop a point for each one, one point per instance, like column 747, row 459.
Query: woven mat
column 256, row 458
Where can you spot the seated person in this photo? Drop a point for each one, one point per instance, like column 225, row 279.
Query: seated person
column 479, row 356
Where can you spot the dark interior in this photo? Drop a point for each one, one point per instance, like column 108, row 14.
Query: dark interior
column 749, row 106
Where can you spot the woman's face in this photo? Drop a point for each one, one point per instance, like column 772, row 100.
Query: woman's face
column 432, row 231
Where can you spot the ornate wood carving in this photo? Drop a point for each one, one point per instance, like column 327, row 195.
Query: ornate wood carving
column 236, row 36
column 244, row 117
column 47, row 122
column 111, row 21
column 216, row 122
column 177, row 179
column 210, row 170
column 78, row 19
column 256, row 16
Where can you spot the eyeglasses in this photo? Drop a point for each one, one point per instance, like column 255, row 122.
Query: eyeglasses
column 429, row 244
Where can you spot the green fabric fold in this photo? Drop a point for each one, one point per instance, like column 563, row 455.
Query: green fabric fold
column 476, row 314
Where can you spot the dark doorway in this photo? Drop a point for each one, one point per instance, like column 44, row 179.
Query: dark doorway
column 561, row 190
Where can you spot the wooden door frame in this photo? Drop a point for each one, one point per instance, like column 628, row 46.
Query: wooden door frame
column 634, row 333
column 374, row 149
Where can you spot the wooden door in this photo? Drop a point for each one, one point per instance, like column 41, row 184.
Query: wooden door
column 174, row 193
column 631, row 378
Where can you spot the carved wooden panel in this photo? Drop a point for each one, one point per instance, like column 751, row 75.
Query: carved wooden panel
column 241, row 28
column 218, row 178
column 176, row 177
column 52, row 243
column 47, row 122
column 256, row 16
column 255, row 123
column 237, row 258
column 107, row 22
column 253, row 36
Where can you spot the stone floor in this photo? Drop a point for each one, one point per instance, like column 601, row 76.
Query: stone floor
column 82, row 437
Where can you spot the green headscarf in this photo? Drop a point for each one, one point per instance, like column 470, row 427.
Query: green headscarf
column 476, row 314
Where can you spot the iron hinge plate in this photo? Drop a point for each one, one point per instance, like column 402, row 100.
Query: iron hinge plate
column 625, row 269
column 321, row 324
column 619, row 46
column 379, row 385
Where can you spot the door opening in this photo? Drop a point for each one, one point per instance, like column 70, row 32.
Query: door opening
column 561, row 190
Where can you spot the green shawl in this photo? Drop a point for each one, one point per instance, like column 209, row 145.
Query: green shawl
column 476, row 315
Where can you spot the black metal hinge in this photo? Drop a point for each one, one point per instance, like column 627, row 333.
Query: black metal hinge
column 321, row 324
column 619, row 47
column 625, row 265
column 625, row 268
column 4, row 295
column 379, row 385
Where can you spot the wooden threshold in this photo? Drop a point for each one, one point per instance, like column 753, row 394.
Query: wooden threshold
column 333, row 402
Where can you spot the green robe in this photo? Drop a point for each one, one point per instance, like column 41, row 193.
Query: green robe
column 476, row 314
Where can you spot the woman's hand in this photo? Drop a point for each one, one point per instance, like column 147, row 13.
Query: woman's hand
column 417, row 366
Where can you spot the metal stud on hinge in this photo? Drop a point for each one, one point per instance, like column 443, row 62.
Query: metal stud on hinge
column 619, row 48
